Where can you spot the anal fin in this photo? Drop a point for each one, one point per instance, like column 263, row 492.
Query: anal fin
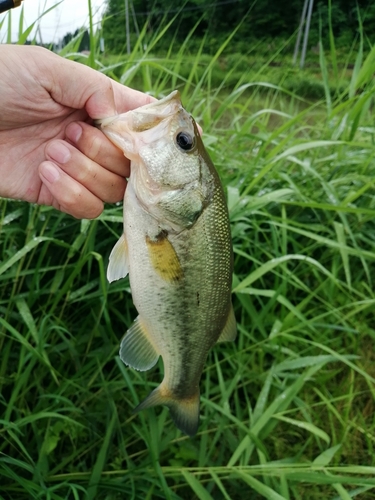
column 229, row 331
column 136, row 349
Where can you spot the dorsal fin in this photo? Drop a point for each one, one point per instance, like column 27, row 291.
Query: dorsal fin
column 229, row 331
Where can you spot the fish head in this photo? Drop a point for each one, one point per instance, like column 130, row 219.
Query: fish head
column 168, row 161
column 156, row 135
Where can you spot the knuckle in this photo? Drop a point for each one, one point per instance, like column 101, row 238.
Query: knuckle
column 94, row 146
column 81, row 208
column 116, row 191
column 94, row 210
column 71, row 197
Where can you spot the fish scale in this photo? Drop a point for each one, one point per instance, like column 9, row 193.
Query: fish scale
column 177, row 249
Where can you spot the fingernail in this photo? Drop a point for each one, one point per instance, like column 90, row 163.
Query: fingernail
column 73, row 132
column 49, row 172
column 58, row 152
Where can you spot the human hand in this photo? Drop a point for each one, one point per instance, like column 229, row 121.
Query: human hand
column 50, row 153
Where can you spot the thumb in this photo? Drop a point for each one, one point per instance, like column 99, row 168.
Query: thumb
column 75, row 85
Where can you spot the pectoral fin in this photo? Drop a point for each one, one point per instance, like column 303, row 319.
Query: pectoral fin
column 136, row 348
column 118, row 261
column 230, row 329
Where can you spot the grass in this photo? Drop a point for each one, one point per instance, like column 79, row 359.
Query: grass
column 288, row 409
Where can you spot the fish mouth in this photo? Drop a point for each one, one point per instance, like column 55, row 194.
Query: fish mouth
column 122, row 129
column 155, row 111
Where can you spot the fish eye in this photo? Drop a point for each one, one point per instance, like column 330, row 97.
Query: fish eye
column 185, row 141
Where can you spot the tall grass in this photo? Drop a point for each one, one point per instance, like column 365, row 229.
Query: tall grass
column 288, row 409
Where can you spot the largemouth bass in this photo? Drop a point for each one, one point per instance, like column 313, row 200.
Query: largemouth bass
column 176, row 247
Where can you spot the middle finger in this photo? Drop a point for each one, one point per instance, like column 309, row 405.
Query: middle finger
column 95, row 145
column 103, row 183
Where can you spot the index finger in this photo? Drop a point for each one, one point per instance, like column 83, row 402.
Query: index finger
column 79, row 87
column 127, row 99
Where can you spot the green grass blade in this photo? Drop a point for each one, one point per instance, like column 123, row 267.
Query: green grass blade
column 259, row 487
column 199, row 490
column 98, row 468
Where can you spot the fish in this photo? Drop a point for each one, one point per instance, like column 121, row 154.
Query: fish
column 177, row 249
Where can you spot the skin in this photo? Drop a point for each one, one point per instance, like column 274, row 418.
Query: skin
column 51, row 154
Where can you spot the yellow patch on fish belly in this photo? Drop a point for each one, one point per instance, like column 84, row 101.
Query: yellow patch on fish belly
column 164, row 258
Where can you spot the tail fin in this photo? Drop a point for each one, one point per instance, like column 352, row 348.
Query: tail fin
column 184, row 412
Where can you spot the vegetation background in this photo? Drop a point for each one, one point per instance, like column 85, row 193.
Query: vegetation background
column 266, row 20
column 288, row 409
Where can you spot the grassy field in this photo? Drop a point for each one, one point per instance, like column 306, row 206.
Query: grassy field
column 288, row 410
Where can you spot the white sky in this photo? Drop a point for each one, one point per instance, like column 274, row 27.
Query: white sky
column 66, row 17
